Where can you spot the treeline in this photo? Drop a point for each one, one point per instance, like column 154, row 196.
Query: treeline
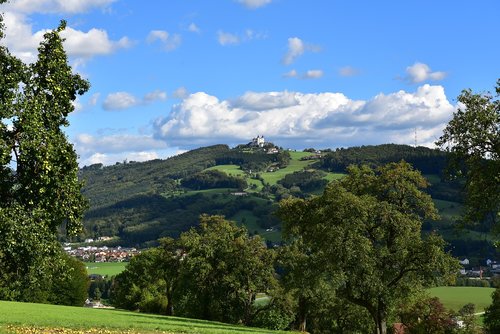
column 255, row 160
column 211, row 179
column 426, row 160
column 139, row 221
column 354, row 262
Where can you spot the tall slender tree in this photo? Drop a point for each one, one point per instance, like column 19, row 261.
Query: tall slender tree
column 39, row 188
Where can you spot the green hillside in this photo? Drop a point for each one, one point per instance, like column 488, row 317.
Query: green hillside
column 140, row 202
column 41, row 318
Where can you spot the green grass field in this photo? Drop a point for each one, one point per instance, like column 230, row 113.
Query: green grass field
column 99, row 320
column 454, row 297
column 105, row 268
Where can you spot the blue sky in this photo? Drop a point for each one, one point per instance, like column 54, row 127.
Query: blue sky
column 168, row 76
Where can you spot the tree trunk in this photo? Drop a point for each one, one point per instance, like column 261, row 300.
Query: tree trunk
column 302, row 314
column 380, row 323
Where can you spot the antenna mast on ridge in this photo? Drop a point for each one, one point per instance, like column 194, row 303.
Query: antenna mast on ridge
column 415, row 136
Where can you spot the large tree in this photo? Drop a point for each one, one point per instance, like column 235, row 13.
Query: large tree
column 223, row 269
column 365, row 233
column 39, row 188
column 473, row 137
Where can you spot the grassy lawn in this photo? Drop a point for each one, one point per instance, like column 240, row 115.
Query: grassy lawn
column 454, row 297
column 41, row 316
column 105, row 268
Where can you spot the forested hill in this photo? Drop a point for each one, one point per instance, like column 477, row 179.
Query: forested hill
column 427, row 160
column 138, row 202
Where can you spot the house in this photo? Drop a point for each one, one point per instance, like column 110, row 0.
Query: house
column 464, row 261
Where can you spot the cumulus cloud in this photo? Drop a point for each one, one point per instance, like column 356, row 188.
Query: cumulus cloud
column 291, row 74
column 169, row 42
column 225, row 38
column 254, row 4
column 124, row 100
column 119, row 147
column 120, row 101
column 80, row 45
column 57, row 6
column 348, row 71
column 313, row 74
column 156, row 95
column 296, row 48
column 310, row 74
column 180, row 93
column 296, row 119
column 420, row 72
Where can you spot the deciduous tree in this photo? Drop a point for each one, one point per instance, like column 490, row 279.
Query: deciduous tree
column 39, row 188
column 365, row 231
column 473, row 137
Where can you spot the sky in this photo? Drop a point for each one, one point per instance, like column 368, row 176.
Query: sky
column 170, row 76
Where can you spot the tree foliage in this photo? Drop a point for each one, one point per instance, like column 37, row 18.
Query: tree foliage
column 39, row 188
column 365, row 231
column 473, row 136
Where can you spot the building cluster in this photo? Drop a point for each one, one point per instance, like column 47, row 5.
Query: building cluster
column 102, row 254
column 491, row 269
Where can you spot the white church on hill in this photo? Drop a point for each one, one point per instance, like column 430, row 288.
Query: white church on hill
column 258, row 141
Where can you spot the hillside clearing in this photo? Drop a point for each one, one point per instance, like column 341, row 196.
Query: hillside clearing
column 454, row 297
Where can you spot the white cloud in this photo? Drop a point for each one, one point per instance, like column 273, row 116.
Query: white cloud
column 124, row 100
column 313, row 74
column 156, row 95
column 80, row 45
column 296, row 48
column 120, row 101
column 119, row 147
column 194, row 28
column 91, row 43
column 93, row 99
column 253, row 4
column 226, row 38
column 57, row 6
column 169, row 42
column 297, row 119
column 180, row 93
column 291, row 74
column 420, row 72
column 348, row 71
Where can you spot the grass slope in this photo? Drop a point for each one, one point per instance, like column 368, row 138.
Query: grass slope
column 454, row 297
column 53, row 316
column 105, row 268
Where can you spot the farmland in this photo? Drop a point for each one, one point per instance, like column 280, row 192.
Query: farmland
column 105, row 268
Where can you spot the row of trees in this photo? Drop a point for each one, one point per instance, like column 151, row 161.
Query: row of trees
column 353, row 255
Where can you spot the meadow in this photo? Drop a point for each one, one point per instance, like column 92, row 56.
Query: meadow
column 41, row 318
column 105, row 268
column 454, row 297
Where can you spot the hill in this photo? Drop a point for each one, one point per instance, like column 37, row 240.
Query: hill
column 41, row 318
column 142, row 201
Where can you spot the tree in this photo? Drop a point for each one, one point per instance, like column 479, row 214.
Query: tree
column 222, row 271
column 70, row 283
column 365, row 232
column 492, row 314
column 39, row 188
column 427, row 316
column 473, row 137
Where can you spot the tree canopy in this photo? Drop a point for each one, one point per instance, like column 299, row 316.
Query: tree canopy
column 473, row 136
column 365, row 232
column 39, row 188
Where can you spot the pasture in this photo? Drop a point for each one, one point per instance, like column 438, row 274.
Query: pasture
column 105, row 268
column 454, row 297
column 39, row 318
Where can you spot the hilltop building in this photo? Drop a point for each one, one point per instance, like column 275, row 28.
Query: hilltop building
column 258, row 141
